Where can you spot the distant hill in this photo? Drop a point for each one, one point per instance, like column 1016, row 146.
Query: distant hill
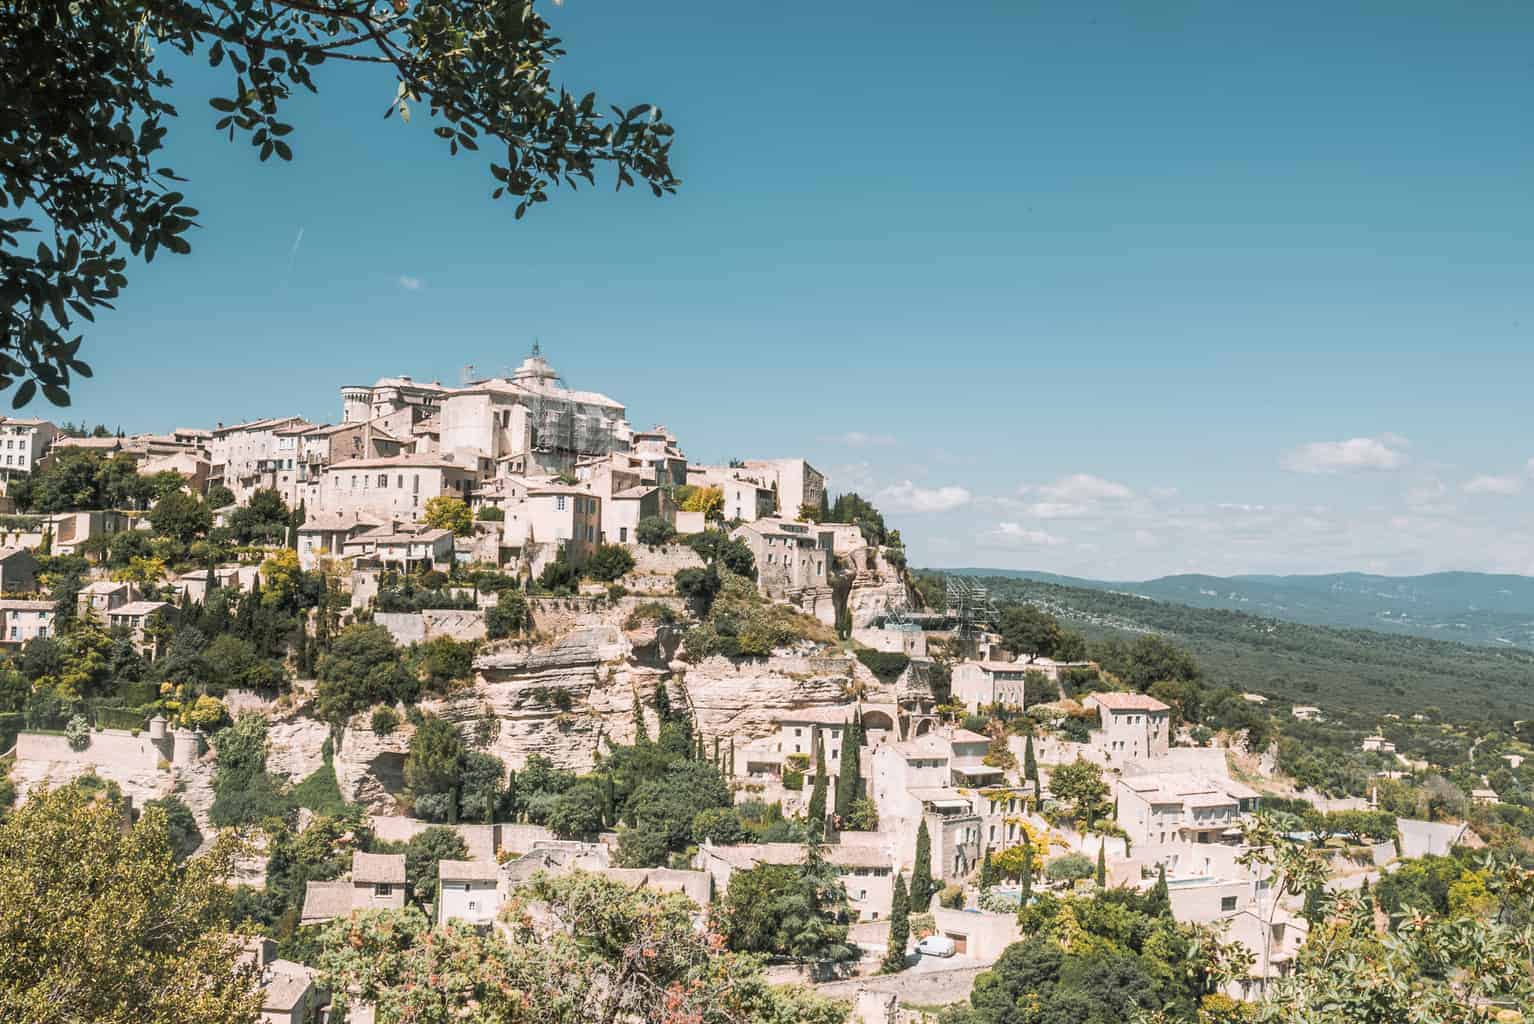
column 1467, row 607
column 1363, row 671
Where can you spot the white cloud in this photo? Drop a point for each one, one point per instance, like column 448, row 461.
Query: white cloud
column 410, row 284
column 1493, row 485
column 1080, row 487
column 1352, row 455
column 858, row 439
column 907, row 497
column 1016, row 535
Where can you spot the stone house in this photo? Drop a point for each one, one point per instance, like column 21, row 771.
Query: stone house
column 23, row 443
column 18, row 571
column 1132, row 726
column 567, row 514
column 397, row 487
column 325, row 535
column 139, row 619
column 993, row 683
column 246, row 458
column 1170, row 807
column 72, row 529
column 289, row 993
column 377, row 883
column 402, row 546
column 791, row 557
column 101, row 598
column 1378, row 744
column 796, row 482
column 331, row 443
column 468, row 891
column 21, row 621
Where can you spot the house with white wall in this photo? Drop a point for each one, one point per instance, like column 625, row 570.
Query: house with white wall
column 1131, row 726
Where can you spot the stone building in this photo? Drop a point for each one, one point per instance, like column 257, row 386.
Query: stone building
column 1131, row 726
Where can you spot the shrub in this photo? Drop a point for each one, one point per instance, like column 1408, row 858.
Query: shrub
column 885, row 665
column 490, row 514
column 654, row 531
column 385, row 721
column 1070, row 867
column 78, row 733
column 559, row 577
column 507, row 616
column 650, row 611
column 610, row 562
column 952, row 897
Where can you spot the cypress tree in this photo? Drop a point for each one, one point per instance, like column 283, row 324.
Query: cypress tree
column 1026, row 881
column 662, row 703
column 817, row 810
column 1038, row 792
column 731, row 773
column 987, row 870
column 1102, row 864
column 848, row 783
column 1159, row 902
column 716, row 751
column 641, row 735
column 1030, row 766
column 921, row 872
column 900, row 928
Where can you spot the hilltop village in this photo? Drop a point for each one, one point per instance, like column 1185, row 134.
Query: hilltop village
column 470, row 647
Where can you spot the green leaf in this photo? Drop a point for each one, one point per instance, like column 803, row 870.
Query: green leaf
column 24, row 394
column 56, row 394
column 283, row 149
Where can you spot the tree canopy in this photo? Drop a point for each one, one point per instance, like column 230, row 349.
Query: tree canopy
column 88, row 110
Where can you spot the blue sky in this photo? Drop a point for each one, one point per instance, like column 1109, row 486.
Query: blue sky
column 1113, row 289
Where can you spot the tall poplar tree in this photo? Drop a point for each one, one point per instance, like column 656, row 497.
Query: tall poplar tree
column 900, row 928
column 1030, row 765
column 1102, row 865
column 848, row 782
column 921, row 871
column 817, row 811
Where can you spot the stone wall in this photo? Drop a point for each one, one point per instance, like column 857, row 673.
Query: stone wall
column 924, row 988
column 114, row 749
column 667, row 560
column 415, row 627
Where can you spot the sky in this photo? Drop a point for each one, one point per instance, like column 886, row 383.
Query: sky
column 1112, row 289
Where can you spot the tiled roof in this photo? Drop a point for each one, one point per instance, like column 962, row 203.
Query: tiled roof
column 380, row 868
column 468, row 871
column 326, row 900
column 1127, row 701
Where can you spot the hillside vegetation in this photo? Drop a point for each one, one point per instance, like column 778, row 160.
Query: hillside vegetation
column 1351, row 669
column 1466, row 607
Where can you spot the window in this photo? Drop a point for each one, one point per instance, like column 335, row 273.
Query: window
column 383, row 479
column 415, row 486
column 399, row 481
column 559, row 503
column 383, row 891
column 623, row 534
column 1227, row 904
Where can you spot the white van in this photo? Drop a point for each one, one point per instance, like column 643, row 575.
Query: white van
column 936, row 945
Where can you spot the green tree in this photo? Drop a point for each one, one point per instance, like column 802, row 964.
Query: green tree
column 1069, row 867
column 435, row 759
column 1159, row 902
column 849, row 781
column 507, row 617
column 220, row 496
column 922, row 886
column 577, row 813
column 654, row 531
column 1027, row 629
column 1025, row 878
column 662, row 810
column 445, row 512
column 1102, row 865
column 422, row 853
column 987, row 870
column 610, row 562
column 181, row 516
column 180, row 826
column 789, row 910
column 817, row 808
column 361, row 669
column 1081, row 785
column 99, row 921
column 76, row 75
column 900, row 927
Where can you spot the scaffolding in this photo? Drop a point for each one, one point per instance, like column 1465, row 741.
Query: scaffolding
column 558, row 426
column 972, row 611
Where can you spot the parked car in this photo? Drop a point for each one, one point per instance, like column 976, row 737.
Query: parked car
column 936, row 945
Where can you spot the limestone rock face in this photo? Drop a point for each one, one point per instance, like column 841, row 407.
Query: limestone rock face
column 370, row 769
column 879, row 587
column 295, row 747
column 744, row 698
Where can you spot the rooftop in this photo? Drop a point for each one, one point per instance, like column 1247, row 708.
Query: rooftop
column 135, row 609
column 1114, row 701
column 468, row 871
column 380, row 868
column 326, row 900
